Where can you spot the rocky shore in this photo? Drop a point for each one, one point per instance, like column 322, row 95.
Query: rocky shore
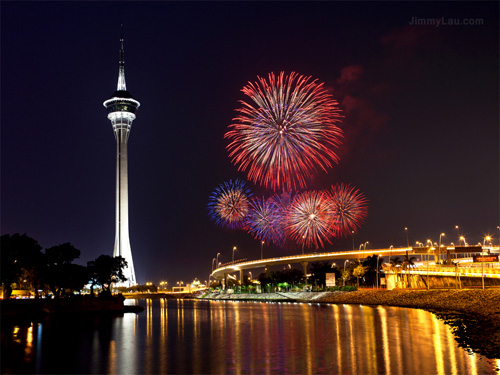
column 477, row 302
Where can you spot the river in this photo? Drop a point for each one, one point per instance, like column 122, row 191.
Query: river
column 217, row 337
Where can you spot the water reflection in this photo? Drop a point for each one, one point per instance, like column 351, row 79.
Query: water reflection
column 199, row 337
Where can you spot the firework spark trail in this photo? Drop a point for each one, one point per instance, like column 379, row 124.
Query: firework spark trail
column 350, row 209
column 310, row 218
column 229, row 204
column 287, row 134
column 265, row 221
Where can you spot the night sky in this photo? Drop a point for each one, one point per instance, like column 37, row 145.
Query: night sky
column 421, row 106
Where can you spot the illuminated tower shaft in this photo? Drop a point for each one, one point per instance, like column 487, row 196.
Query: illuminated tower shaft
column 121, row 112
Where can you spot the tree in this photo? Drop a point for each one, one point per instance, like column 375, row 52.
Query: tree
column 20, row 259
column 62, row 254
column 319, row 271
column 60, row 273
column 106, row 270
column 359, row 271
column 346, row 274
column 372, row 263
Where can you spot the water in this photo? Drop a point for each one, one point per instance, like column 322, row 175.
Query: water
column 216, row 337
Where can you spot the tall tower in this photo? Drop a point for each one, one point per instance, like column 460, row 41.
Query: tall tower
column 121, row 112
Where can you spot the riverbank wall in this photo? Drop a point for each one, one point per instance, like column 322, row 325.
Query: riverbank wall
column 158, row 295
column 478, row 302
column 36, row 308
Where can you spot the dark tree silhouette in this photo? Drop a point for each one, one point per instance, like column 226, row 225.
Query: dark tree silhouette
column 20, row 259
column 370, row 264
column 106, row 270
column 319, row 271
column 60, row 273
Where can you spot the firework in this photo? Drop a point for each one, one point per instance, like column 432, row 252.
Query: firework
column 350, row 208
column 229, row 204
column 310, row 219
column 265, row 221
column 287, row 133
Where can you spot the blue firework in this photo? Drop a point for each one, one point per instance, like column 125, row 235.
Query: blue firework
column 266, row 221
column 228, row 205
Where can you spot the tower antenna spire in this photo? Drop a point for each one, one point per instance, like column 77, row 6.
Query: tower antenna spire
column 122, row 52
column 122, row 86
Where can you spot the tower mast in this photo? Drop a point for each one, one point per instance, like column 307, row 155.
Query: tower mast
column 122, row 108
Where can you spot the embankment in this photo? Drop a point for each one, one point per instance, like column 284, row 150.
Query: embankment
column 36, row 308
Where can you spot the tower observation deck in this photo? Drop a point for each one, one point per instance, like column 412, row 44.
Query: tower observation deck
column 122, row 108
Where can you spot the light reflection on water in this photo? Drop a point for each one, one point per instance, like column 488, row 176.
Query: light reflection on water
column 201, row 337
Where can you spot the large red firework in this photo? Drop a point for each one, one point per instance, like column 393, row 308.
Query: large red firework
column 350, row 208
column 287, row 133
column 310, row 219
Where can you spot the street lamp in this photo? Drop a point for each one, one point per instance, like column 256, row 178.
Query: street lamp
column 234, row 249
column 378, row 256
column 217, row 262
column 458, row 233
column 407, row 242
column 261, row 250
column 391, row 253
column 213, row 260
column 428, row 286
column 343, row 274
column 487, row 238
column 352, row 240
column 303, row 242
column 439, row 246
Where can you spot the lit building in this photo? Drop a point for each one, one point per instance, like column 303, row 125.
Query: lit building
column 121, row 112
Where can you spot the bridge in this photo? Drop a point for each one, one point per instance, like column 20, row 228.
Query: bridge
column 222, row 272
column 240, row 265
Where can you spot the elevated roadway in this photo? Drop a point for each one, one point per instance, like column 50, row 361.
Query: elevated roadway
column 238, row 266
column 304, row 259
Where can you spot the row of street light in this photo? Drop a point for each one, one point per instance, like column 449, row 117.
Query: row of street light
column 461, row 239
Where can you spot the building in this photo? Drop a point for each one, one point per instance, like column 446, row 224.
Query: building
column 122, row 108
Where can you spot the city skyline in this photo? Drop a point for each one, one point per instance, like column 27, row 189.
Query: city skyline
column 420, row 105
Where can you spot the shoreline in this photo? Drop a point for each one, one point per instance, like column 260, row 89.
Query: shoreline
column 484, row 303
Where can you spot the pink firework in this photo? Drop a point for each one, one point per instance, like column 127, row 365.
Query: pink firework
column 310, row 219
column 350, row 208
column 286, row 133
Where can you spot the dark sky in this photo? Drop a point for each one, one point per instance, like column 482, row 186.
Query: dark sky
column 421, row 106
